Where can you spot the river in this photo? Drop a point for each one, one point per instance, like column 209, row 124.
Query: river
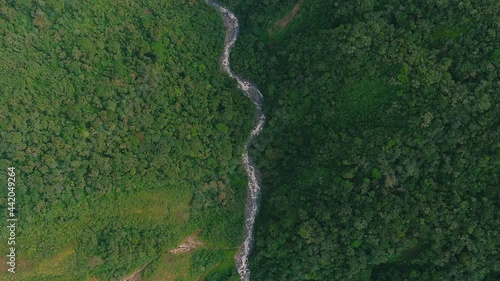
column 250, row 90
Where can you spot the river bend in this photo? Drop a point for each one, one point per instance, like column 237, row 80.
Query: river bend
column 250, row 90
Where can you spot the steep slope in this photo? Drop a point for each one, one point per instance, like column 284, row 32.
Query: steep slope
column 380, row 160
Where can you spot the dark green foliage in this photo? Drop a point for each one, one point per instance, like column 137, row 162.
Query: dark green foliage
column 380, row 159
column 204, row 259
column 227, row 273
column 218, row 264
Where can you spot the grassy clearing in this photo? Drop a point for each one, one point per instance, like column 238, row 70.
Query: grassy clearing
column 53, row 249
column 201, row 264
column 65, row 256
column 147, row 207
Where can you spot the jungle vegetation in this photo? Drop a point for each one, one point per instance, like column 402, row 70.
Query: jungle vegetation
column 126, row 138
column 380, row 156
column 381, row 153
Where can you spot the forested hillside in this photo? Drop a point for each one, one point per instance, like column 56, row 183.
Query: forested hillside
column 381, row 155
column 126, row 138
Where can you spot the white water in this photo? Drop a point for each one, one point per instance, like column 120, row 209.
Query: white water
column 251, row 91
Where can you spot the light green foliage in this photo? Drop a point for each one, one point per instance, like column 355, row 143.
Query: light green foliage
column 116, row 114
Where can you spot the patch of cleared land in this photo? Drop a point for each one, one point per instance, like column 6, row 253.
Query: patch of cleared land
column 284, row 21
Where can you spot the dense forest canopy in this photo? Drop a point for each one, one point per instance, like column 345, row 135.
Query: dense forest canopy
column 125, row 135
column 381, row 158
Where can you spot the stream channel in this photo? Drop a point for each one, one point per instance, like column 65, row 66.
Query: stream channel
column 250, row 90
